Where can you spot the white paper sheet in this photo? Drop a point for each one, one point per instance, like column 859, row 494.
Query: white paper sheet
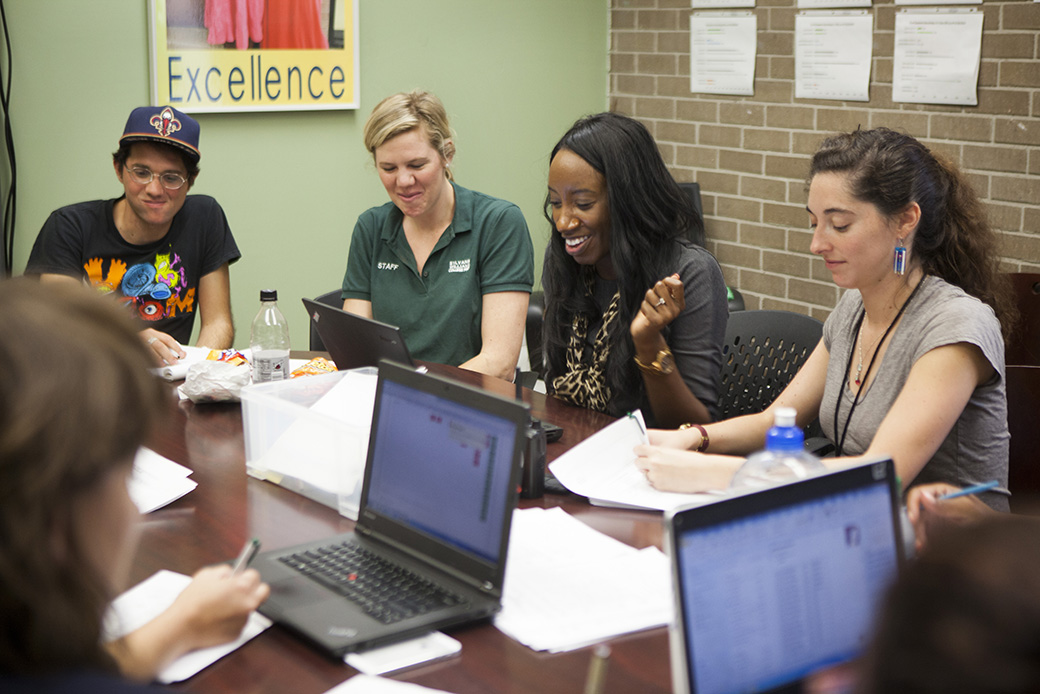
column 147, row 600
column 157, row 481
column 832, row 55
column 568, row 586
column 716, row 4
column 371, row 684
column 722, row 53
column 937, row 56
column 603, row 468
column 819, row 4
column 177, row 372
column 422, row 650
column 942, row 2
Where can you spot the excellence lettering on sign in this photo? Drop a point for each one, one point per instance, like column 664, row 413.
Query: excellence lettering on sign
column 200, row 64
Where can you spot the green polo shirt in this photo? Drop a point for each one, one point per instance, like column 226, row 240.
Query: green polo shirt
column 486, row 249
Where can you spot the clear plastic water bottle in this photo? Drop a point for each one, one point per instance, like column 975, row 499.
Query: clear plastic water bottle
column 269, row 341
column 784, row 459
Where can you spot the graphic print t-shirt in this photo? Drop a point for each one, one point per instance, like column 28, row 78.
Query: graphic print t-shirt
column 158, row 282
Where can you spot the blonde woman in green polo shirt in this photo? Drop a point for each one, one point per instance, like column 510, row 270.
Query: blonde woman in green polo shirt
column 453, row 268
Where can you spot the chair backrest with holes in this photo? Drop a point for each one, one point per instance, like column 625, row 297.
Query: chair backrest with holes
column 762, row 353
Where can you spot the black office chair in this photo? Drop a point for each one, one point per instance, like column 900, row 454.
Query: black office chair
column 699, row 237
column 762, row 353
column 329, row 299
column 533, row 328
column 734, row 299
column 693, row 192
column 1023, row 402
column 1024, row 346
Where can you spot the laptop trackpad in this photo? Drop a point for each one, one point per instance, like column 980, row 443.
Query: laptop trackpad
column 296, row 592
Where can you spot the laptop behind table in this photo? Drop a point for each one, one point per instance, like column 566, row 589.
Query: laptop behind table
column 774, row 585
column 439, row 490
column 354, row 341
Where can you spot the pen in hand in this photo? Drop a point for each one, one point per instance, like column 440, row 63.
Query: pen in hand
column 246, row 555
column 975, row 489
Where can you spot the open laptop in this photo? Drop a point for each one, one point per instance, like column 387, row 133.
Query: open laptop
column 437, row 500
column 774, row 585
column 354, row 341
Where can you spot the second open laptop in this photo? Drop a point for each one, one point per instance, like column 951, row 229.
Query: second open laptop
column 354, row 341
column 775, row 585
column 437, row 501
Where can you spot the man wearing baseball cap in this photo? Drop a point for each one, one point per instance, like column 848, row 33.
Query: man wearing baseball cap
column 164, row 253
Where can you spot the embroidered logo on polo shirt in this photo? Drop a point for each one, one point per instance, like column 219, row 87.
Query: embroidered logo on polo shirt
column 387, row 266
column 458, row 265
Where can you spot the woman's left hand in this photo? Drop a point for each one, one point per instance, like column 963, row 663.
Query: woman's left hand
column 672, row 470
column 661, row 304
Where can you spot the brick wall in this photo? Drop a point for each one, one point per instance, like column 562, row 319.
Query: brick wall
column 750, row 154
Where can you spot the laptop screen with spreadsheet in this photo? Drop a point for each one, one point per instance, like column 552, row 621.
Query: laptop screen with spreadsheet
column 776, row 585
column 442, row 467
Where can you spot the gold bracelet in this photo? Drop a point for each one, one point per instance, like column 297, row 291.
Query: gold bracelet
column 704, row 435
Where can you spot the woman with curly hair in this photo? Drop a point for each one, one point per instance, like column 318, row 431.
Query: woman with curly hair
column 911, row 363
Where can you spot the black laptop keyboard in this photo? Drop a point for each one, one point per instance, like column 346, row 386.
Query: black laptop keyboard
column 384, row 590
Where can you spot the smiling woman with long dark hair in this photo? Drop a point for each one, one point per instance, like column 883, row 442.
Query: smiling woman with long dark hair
column 635, row 313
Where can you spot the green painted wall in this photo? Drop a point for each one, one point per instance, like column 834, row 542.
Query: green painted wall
column 513, row 74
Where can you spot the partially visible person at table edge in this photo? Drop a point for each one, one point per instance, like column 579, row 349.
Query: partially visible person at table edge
column 76, row 404
column 453, row 268
column 931, row 514
column 964, row 617
column 635, row 313
column 164, row 253
column 911, row 363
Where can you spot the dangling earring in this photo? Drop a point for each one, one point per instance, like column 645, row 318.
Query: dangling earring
column 899, row 259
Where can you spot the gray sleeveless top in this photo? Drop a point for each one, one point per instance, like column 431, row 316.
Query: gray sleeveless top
column 976, row 449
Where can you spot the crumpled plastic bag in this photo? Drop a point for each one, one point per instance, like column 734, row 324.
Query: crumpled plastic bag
column 215, row 381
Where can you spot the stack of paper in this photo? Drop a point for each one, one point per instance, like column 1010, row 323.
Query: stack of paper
column 568, row 586
column 157, row 481
column 603, row 468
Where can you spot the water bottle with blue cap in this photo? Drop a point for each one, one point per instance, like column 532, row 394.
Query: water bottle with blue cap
column 784, row 458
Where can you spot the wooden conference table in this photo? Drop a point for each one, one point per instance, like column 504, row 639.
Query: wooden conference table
column 211, row 524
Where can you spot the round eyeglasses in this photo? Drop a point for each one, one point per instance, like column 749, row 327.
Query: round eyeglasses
column 142, row 175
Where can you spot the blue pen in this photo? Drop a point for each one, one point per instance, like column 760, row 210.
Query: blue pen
column 976, row 489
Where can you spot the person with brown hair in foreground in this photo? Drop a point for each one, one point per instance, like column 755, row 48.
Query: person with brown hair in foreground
column 76, row 404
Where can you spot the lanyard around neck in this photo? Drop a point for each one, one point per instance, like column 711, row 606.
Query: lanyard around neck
column 848, row 369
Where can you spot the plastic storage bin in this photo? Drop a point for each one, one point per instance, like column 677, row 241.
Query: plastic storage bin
column 310, row 435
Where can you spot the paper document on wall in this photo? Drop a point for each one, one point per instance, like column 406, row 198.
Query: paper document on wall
column 568, row 586
column 147, row 600
column 937, row 56
column 603, row 468
column 157, row 481
column 723, row 48
column 832, row 55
